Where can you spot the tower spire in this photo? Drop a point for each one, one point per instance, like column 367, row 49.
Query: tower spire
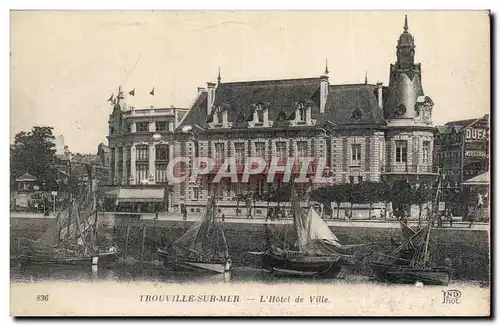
column 326, row 67
column 218, row 77
column 366, row 77
column 406, row 23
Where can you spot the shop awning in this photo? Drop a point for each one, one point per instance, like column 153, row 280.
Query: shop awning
column 139, row 195
column 482, row 179
column 26, row 177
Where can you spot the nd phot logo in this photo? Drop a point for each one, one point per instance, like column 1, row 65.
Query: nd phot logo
column 451, row 296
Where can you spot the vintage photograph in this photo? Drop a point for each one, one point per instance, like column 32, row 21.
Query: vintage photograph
column 250, row 163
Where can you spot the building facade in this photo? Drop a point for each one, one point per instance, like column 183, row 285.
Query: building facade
column 463, row 149
column 141, row 142
column 353, row 132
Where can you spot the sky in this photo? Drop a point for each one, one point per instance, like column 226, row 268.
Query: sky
column 65, row 64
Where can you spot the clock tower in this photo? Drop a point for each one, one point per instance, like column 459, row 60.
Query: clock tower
column 409, row 137
column 406, row 97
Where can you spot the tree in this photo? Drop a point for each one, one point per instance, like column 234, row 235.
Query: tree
column 402, row 194
column 352, row 194
column 384, row 195
column 33, row 152
column 369, row 194
column 423, row 194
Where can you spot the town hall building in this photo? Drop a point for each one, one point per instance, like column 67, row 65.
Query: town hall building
column 356, row 132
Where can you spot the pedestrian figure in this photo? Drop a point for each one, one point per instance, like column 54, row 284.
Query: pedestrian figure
column 347, row 215
column 184, row 213
column 249, row 208
column 440, row 220
column 382, row 213
column 449, row 216
column 269, row 215
column 223, row 217
column 480, row 202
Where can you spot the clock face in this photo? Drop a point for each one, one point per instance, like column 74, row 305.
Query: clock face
column 400, row 110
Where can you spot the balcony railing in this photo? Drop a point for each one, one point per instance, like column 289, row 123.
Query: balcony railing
column 295, row 167
column 407, row 168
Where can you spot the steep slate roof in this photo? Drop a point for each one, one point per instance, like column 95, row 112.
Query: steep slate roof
column 197, row 114
column 279, row 95
column 284, row 95
column 344, row 99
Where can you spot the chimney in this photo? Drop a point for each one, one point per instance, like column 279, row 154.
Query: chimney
column 201, row 90
column 176, row 116
column 323, row 92
column 379, row 95
column 210, row 96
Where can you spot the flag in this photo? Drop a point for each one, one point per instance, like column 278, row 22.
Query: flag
column 110, row 99
column 132, row 92
column 152, row 91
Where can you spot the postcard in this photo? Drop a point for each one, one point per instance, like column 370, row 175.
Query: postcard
column 250, row 163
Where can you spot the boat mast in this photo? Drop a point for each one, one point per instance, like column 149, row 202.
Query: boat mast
column 285, row 227
column 431, row 220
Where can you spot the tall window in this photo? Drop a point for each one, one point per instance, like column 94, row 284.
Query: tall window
column 351, row 179
column 302, row 113
column 426, row 152
column 328, row 150
column 196, row 150
column 162, row 152
column 161, row 125
column 161, row 173
column 142, row 126
column 356, row 154
column 196, row 193
column 301, row 149
column 239, row 151
column 260, row 149
column 219, row 116
column 401, row 151
column 141, row 172
column 142, row 153
column 219, row 153
column 260, row 187
column 260, row 113
column 281, row 150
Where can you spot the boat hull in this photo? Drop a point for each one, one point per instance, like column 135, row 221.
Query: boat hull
column 411, row 274
column 100, row 259
column 179, row 263
column 302, row 265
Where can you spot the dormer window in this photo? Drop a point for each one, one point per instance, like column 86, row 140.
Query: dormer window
column 142, row 126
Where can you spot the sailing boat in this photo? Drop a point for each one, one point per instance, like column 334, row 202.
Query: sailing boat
column 409, row 263
column 317, row 251
column 200, row 248
column 73, row 239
